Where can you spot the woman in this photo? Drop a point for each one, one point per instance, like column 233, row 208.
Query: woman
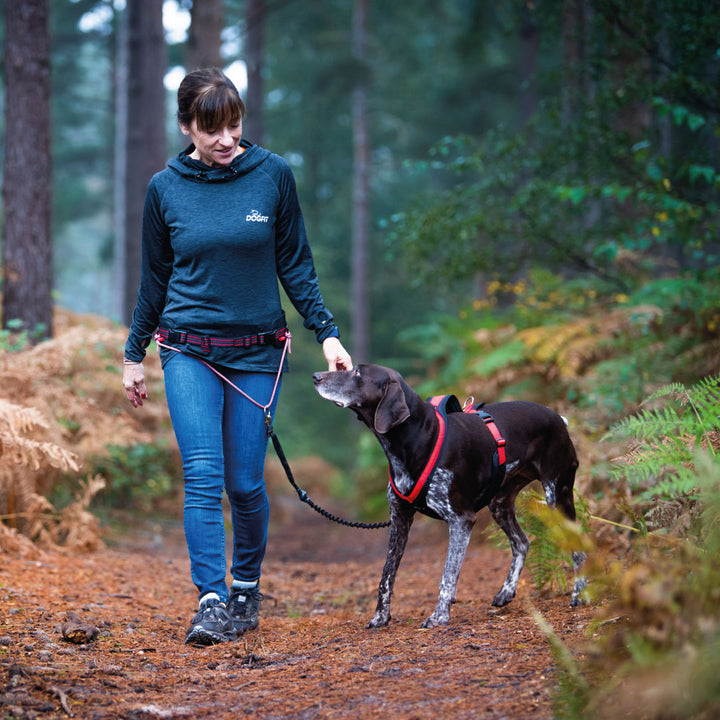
column 221, row 225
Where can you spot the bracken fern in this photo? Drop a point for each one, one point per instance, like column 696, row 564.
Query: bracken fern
column 660, row 460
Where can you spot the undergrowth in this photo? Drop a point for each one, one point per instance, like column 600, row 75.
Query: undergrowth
column 657, row 630
column 67, row 410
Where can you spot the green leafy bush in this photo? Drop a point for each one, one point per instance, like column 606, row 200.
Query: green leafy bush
column 137, row 476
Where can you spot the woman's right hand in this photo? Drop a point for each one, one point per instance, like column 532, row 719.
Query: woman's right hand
column 134, row 382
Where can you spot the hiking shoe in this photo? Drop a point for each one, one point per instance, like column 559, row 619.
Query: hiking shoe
column 244, row 608
column 211, row 625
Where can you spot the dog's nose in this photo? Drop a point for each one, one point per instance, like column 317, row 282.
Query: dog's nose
column 317, row 378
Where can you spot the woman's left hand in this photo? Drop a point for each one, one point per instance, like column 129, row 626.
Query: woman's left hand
column 336, row 355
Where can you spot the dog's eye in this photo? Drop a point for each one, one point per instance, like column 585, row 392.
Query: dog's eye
column 356, row 371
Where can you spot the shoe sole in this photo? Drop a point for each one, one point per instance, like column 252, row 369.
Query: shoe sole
column 203, row 636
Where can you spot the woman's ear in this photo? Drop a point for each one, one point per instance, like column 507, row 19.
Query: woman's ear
column 184, row 129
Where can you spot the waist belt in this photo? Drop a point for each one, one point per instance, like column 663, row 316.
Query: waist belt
column 271, row 337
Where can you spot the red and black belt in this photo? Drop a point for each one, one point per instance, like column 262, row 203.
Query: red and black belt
column 271, row 337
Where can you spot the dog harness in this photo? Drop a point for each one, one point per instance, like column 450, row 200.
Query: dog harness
column 443, row 405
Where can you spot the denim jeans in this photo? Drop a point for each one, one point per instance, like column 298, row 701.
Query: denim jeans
column 223, row 441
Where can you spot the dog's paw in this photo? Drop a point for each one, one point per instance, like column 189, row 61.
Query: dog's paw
column 434, row 621
column 378, row 621
column 503, row 598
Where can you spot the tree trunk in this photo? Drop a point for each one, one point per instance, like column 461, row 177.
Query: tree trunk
column 254, row 126
column 530, row 38
column 359, row 292
column 27, row 178
column 120, row 99
column 573, row 51
column 206, row 24
column 146, row 142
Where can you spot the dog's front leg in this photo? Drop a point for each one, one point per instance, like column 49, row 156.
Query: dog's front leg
column 402, row 518
column 460, row 529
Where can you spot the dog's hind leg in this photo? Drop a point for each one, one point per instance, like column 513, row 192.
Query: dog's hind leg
column 559, row 493
column 502, row 508
column 460, row 529
column 402, row 518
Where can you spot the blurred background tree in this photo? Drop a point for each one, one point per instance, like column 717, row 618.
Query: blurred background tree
column 27, row 238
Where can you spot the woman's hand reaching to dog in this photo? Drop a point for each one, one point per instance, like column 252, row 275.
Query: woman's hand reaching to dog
column 134, row 382
column 336, row 355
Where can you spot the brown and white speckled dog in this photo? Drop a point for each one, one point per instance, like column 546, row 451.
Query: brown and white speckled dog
column 537, row 447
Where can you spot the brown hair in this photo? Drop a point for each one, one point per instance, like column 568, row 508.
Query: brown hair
column 209, row 97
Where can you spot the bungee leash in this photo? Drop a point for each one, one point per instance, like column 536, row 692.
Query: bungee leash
column 275, row 441
column 304, row 496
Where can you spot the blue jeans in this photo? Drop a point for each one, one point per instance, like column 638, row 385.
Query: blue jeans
column 223, row 441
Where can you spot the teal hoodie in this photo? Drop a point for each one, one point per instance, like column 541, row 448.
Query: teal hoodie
column 215, row 242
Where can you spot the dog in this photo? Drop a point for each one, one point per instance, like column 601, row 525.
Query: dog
column 464, row 477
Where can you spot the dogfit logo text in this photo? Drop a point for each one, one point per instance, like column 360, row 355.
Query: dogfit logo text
column 255, row 216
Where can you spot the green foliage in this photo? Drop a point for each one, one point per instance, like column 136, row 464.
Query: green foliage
column 667, row 437
column 137, row 476
column 694, row 298
column 14, row 338
column 618, row 189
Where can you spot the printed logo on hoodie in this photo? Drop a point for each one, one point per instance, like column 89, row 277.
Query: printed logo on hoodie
column 255, row 216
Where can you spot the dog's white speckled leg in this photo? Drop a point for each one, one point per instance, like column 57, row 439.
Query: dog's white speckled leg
column 460, row 531
column 402, row 519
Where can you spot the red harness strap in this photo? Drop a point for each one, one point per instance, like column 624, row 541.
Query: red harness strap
column 429, row 467
column 499, row 439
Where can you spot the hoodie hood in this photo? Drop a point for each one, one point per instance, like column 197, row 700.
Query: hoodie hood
column 198, row 171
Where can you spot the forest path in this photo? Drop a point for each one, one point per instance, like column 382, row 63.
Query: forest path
column 312, row 656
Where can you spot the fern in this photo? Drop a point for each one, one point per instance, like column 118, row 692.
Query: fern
column 661, row 462
column 543, row 561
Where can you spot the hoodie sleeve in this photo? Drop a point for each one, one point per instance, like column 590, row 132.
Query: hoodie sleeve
column 157, row 263
column 294, row 261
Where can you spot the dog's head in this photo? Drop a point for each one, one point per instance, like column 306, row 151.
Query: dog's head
column 374, row 392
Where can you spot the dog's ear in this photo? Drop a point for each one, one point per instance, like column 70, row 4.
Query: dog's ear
column 392, row 409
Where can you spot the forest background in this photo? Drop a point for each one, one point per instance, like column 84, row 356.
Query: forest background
column 509, row 200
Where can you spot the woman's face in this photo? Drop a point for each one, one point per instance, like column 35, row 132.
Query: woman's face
column 216, row 147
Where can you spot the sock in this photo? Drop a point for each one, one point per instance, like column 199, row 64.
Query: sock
column 207, row 597
column 241, row 586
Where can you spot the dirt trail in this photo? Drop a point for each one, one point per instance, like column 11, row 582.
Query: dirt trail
column 312, row 657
